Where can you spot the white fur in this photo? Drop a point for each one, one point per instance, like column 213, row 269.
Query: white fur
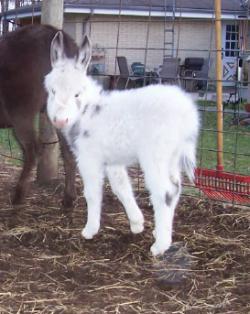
column 156, row 126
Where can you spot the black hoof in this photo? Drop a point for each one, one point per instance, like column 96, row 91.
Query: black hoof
column 18, row 198
column 68, row 201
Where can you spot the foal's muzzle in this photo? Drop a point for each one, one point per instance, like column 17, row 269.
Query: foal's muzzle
column 60, row 123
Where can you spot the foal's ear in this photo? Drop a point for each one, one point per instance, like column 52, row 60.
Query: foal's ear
column 57, row 48
column 84, row 54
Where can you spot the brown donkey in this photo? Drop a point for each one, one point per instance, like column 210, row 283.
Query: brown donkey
column 24, row 61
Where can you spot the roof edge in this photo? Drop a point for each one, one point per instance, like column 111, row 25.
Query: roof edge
column 29, row 11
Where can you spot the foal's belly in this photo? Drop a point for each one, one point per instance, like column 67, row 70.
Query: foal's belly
column 120, row 157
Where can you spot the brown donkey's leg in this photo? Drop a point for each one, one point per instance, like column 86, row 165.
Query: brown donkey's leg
column 27, row 138
column 70, row 173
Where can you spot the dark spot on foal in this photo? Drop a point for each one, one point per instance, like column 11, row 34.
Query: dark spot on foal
column 96, row 111
column 168, row 199
column 74, row 131
column 86, row 133
column 85, row 109
column 74, row 134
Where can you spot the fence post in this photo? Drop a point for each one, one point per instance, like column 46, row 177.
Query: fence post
column 47, row 170
column 5, row 23
column 217, row 4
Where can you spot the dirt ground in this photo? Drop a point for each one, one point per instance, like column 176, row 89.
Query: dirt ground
column 47, row 267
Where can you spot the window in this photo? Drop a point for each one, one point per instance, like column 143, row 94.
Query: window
column 231, row 41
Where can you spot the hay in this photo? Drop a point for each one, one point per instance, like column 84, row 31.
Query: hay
column 46, row 267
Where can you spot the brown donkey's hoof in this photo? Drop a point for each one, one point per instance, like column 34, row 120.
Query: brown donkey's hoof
column 68, row 201
column 18, row 197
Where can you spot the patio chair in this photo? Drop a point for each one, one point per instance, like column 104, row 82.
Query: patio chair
column 125, row 74
column 170, row 71
column 198, row 69
column 138, row 69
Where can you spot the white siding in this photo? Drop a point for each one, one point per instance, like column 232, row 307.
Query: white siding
column 130, row 36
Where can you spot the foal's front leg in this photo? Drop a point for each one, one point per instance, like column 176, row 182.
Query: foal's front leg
column 121, row 186
column 92, row 176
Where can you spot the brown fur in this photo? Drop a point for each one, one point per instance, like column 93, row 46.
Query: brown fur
column 24, row 61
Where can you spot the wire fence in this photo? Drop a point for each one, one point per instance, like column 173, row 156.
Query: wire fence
column 166, row 41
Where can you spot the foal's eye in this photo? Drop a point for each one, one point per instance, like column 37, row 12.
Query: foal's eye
column 77, row 95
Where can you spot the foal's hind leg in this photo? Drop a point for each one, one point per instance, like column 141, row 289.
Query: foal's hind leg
column 121, row 186
column 164, row 186
column 26, row 136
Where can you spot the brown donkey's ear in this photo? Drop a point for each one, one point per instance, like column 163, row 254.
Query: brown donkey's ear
column 84, row 54
column 57, row 49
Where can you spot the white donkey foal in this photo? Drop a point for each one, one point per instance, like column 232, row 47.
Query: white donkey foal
column 156, row 126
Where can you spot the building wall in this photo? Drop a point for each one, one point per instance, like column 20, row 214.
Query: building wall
column 141, row 38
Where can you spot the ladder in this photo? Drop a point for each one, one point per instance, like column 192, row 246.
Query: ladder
column 169, row 28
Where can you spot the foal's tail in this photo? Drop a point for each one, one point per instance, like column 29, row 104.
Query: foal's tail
column 189, row 157
column 190, row 133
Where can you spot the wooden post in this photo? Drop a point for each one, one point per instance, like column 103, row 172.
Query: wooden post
column 4, row 9
column 52, row 14
column 219, row 85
